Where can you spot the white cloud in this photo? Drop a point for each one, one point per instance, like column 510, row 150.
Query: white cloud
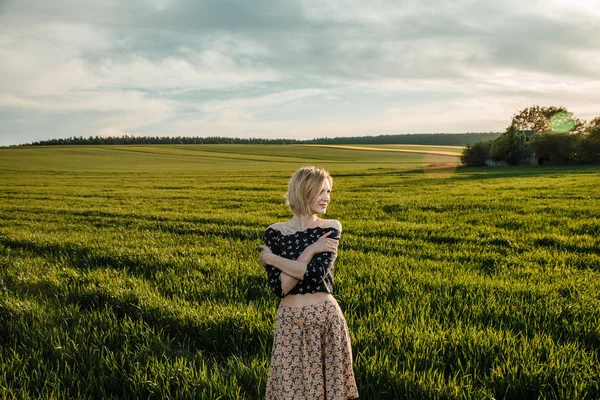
column 245, row 106
column 42, row 61
column 207, row 69
column 116, row 101
column 232, row 45
column 87, row 113
column 114, row 132
column 45, row 58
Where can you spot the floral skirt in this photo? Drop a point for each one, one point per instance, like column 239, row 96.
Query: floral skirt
column 312, row 357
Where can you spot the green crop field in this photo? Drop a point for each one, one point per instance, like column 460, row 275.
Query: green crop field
column 132, row 272
column 206, row 158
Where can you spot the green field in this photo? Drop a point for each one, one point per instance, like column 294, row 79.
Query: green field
column 132, row 272
column 205, row 158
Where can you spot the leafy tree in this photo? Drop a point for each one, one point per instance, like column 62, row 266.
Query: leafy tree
column 579, row 144
column 593, row 127
column 509, row 147
column 536, row 118
column 582, row 152
column 475, row 154
column 592, row 142
column 556, row 148
column 559, row 138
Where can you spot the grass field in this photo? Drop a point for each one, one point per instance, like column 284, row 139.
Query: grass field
column 207, row 158
column 132, row 272
column 403, row 148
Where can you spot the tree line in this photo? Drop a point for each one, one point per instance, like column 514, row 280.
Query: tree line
column 539, row 135
column 129, row 139
column 440, row 139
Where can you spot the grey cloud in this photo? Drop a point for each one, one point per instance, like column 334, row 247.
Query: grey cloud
column 236, row 16
column 424, row 40
column 175, row 50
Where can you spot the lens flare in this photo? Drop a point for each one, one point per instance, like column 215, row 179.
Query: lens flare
column 562, row 122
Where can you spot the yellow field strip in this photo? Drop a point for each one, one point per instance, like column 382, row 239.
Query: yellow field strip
column 336, row 146
column 427, row 145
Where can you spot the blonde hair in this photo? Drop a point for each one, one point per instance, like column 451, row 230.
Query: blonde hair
column 304, row 188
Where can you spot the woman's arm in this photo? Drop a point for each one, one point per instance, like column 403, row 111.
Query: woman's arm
column 286, row 271
column 293, row 268
column 289, row 282
column 280, row 282
column 297, row 268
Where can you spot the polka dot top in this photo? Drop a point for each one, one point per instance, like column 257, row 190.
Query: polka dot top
column 319, row 271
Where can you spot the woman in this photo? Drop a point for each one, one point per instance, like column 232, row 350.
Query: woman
column 312, row 357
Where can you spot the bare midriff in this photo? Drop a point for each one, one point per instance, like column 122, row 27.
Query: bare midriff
column 301, row 300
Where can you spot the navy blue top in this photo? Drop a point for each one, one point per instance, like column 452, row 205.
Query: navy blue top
column 319, row 271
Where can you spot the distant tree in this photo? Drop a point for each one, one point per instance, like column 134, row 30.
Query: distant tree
column 446, row 139
column 559, row 138
column 592, row 142
column 442, row 139
column 536, row 118
column 568, row 140
column 509, row 147
column 580, row 126
column 476, row 154
column 582, row 152
column 593, row 127
column 556, row 148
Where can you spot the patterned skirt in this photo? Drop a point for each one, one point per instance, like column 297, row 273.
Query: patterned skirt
column 312, row 357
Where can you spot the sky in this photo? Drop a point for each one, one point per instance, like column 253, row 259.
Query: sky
column 290, row 68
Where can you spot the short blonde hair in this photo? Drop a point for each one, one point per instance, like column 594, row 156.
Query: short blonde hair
column 304, row 188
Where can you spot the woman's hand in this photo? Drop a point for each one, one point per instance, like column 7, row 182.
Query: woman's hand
column 325, row 244
column 265, row 254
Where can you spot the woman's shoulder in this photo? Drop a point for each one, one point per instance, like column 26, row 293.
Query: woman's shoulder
column 275, row 230
column 332, row 223
column 276, row 226
column 281, row 227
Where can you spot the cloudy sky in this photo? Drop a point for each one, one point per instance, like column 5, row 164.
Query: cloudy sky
column 290, row 68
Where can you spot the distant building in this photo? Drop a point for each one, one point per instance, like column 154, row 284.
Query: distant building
column 529, row 157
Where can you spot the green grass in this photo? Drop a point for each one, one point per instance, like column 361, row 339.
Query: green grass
column 133, row 272
column 203, row 158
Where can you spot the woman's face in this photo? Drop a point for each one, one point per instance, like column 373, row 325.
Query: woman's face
column 319, row 206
